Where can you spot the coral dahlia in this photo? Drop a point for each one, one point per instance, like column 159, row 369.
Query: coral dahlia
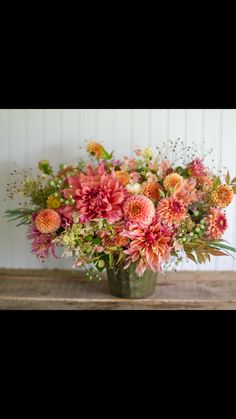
column 139, row 209
column 188, row 193
column 149, row 246
column 216, row 223
column 171, row 210
column 47, row 221
column 99, row 197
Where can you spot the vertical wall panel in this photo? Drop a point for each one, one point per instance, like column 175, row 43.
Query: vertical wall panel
column 27, row 136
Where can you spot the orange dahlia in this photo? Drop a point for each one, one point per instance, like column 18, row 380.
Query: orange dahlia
column 139, row 209
column 97, row 150
column 222, row 196
column 47, row 221
column 204, row 183
column 216, row 223
column 151, row 190
column 171, row 210
column 173, row 182
column 123, row 176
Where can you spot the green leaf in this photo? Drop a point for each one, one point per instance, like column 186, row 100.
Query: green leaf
column 223, row 246
column 216, row 182
column 233, row 180
column 227, row 178
column 88, row 238
column 96, row 240
column 234, row 189
column 162, row 194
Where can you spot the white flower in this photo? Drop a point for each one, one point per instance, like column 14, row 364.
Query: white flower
column 135, row 188
column 177, row 246
column 147, row 153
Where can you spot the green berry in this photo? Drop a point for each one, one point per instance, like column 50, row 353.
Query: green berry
column 196, row 213
column 202, row 221
column 197, row 230
column 191, row 234
column 202, row 227
column 51, row 183
column 184, row 239
column 56, row 194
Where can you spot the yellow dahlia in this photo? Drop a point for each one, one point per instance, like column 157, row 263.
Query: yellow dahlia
column 47, row 221
column 151, row 190
column 53, row 202
column 173, row 182
column 123, row 176
column 222, row 196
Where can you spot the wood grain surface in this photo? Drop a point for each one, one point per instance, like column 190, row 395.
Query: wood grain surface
column 70, row 290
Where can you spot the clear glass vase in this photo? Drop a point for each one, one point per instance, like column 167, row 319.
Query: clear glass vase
column 125, row 283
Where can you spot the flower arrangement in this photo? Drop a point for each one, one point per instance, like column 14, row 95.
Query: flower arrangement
column 144, row 210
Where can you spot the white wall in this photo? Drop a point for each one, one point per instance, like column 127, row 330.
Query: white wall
column 27, row 136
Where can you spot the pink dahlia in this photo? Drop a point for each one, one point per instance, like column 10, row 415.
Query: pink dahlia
column 149, row 246
column 139, row 210
column 171, row 210
column 98, row 196
column 196, row 168
column 41, row 243
column 216, row 223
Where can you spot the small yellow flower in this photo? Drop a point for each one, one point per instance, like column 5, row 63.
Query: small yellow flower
column 147, row 153
column 53, row 202
column 222, row 196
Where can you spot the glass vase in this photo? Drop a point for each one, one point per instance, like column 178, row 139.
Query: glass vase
column 125, row 283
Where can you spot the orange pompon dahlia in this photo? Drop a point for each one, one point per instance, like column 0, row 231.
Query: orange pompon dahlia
column 171, row 210
column 123, row 176
column 222, row 196
column 151, row 189
column 139, row 209
column 47, row 221
column 97, row 150
column 173, row 182
column 53, row 202
column 216, row 223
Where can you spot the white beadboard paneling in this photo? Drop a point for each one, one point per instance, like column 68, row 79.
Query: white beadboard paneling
column 26, row 136
column 6, row 238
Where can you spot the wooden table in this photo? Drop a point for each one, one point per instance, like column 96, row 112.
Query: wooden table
column 69, row 290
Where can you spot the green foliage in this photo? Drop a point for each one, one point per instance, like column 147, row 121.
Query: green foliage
column 183, row 172
column 23, row 215
column 45, row 167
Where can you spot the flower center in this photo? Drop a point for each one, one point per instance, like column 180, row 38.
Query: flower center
column 136, row 209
